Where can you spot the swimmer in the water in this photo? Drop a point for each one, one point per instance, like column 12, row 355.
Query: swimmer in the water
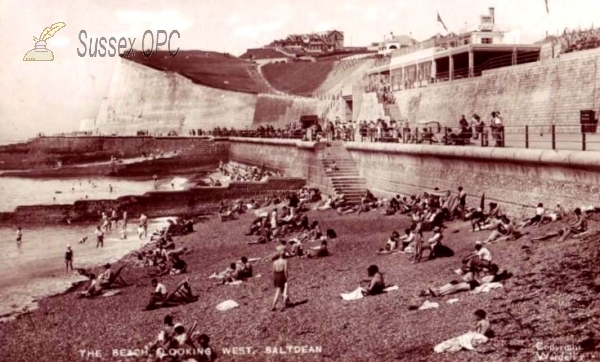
column 19, row 235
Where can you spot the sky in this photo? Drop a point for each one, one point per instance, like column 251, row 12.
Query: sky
column 55, row 96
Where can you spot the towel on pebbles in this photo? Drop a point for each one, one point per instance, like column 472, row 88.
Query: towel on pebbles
column 429, row 305
column 467, row 341
column 227, row 305
column 485, row 288
column 358, row 294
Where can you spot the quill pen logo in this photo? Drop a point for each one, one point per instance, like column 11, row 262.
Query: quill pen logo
column 40, row 52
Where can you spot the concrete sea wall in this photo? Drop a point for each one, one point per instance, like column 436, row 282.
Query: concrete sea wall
column 293, row 158
column 46, row 151
column 516, row 178
column 195, row 201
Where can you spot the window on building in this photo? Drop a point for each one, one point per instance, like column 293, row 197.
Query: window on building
column 486, row 40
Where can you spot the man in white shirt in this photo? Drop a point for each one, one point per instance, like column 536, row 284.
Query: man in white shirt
column 158, row 295
column 476, row 260
column 482, row 252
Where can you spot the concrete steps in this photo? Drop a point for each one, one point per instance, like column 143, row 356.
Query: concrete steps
column 346, row 179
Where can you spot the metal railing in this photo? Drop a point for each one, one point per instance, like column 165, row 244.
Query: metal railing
column 553, row 137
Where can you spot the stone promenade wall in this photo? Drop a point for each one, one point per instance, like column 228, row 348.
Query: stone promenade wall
column 517, row 178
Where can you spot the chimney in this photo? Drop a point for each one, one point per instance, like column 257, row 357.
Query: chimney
column 492, row 15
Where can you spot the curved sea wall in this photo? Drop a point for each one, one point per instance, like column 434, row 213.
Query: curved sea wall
column 194, row 201
column 517, row 178
column 291, row 157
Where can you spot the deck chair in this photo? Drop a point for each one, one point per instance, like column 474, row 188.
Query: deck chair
column 182, row 294
column 116, row 280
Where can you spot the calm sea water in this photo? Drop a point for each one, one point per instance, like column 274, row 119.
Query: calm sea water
column 15, row 191
column 35, row 268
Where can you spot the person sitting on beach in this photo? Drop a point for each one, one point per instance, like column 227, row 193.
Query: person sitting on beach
column 318, row 251
column 315, row 231
column 295, row 248
column 243, row 269
column 328, row 204
column 159, row 293
column 105, row 277
column 231, row 274
column 179, row 252
column 505, row 230
column 391, row 244
column 494, row 213
column 303, row 224
column 434, row 219
column 227, row 215
column 477, row 219
column 256, row 225
column 558, row 214
column 407, row 239
column 434, row 245
column 179, row 266
column 94, row 287
column 480, row 258
column 576, row 226
column 83, row 240
column 536, row 220
column 393, row 206
column 375, row 281
column 483, row 324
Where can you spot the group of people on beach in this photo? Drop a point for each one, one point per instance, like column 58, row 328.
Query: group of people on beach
column 283, row 219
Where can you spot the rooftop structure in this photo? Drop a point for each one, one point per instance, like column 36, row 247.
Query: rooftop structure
column 323, row 42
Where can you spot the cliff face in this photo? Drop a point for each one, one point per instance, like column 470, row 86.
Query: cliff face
column 141, row 98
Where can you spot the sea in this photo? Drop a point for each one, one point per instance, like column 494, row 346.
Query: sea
column 35, row 268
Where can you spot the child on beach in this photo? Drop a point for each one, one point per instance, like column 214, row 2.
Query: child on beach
column 483, row 324
column 280, row 278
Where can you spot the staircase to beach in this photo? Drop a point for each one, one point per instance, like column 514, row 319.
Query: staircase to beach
column 346, row 179
column 393, row 111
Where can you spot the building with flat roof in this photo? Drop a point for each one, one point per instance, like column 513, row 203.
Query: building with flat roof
column 453, row 56
column 323, row 42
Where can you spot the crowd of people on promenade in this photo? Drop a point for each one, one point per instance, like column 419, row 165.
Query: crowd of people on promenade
column 576, row 40
column 473, row 131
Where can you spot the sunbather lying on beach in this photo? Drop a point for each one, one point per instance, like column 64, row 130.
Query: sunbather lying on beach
column 469, row 282
column 504, row 231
